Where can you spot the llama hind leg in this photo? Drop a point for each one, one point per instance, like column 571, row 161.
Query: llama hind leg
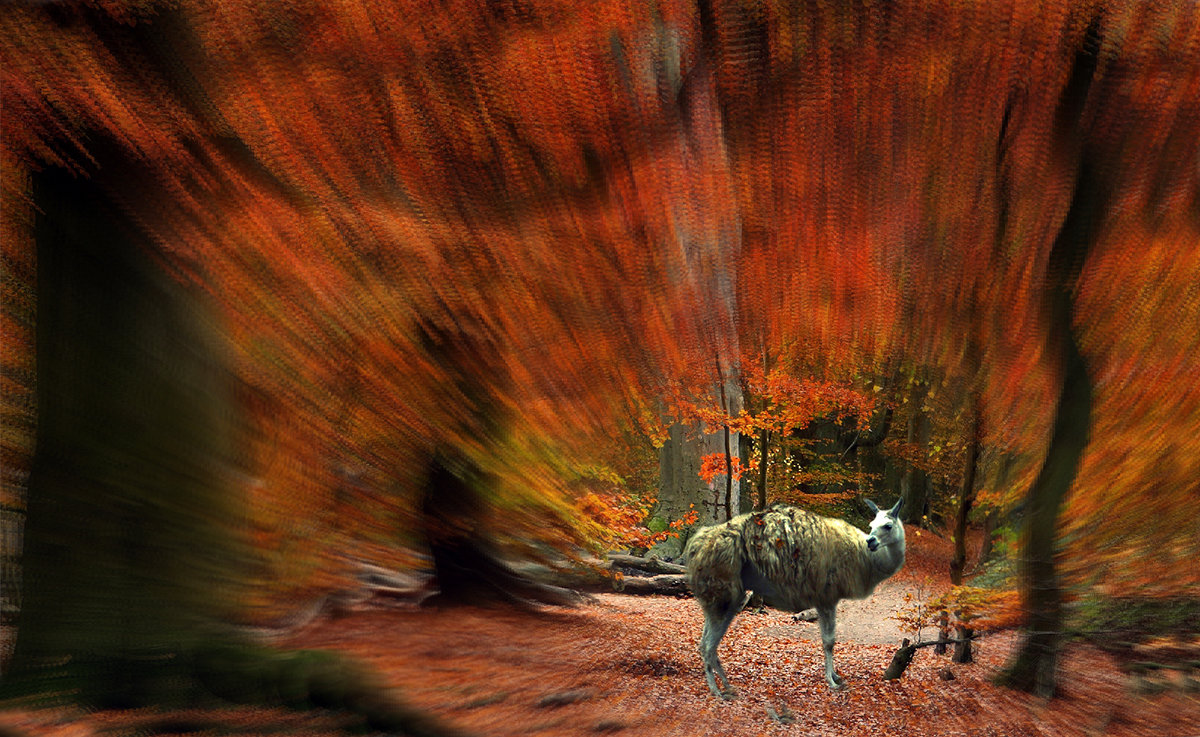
column 707, row 654
column 716, row 623
column 827, row 621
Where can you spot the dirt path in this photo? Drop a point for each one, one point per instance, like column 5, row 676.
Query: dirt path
column 865, row 622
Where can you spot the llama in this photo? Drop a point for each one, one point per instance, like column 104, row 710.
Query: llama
column 795, row 560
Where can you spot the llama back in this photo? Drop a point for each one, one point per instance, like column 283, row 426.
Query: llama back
column 714, row 564
column 810, row 560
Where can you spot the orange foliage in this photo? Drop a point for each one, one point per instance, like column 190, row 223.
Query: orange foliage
column 607, row 195
column 620, row 521
column 981, row 610
column 713, row 465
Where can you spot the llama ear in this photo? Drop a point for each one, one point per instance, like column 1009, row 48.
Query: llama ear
column 871, row 505
column 896, row 509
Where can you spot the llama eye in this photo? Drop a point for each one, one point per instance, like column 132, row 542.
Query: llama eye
column 887, row 527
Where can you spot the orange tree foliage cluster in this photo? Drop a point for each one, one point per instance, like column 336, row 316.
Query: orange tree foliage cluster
column 779, row 404
column 964, row 607
column 614, row 515
column 607, row 195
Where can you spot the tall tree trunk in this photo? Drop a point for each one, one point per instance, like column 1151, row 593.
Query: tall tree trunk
column 1034, row 666
column 128, row 548
column 729, row 502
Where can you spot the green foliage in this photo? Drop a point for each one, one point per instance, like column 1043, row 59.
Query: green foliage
column 1129, row 619
column 302, row 679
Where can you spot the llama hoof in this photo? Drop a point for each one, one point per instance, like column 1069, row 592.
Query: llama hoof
column 729, row 694
column 837, row 683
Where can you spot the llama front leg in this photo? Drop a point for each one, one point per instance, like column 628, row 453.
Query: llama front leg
column 827, row 621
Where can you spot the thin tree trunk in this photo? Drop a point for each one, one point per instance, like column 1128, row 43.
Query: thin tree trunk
column 728, row 476
column 966, row 494
column 764, row 437
column 914, row 487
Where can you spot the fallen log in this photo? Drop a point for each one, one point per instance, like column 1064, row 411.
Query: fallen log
column 666, row 584
column 649, row 565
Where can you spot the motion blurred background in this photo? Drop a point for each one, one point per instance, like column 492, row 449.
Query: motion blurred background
column 295, row 283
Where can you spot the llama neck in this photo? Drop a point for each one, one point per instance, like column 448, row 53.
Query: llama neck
column 887, row 560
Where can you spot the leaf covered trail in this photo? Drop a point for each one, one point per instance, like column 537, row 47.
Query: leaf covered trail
column 628, row 665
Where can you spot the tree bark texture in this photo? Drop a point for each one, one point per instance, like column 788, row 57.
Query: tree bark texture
column 962, row 646
column 900, row 661
column 680, row 484
column 649, row 565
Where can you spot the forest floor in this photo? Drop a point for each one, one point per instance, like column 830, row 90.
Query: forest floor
column 627, row 665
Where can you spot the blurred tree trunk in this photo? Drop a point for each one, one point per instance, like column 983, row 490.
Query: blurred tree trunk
column 469, row 569
column 454, row 508
column 129, row 552
column 1034, row 667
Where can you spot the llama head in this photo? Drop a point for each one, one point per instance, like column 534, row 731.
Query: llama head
column 886, row 528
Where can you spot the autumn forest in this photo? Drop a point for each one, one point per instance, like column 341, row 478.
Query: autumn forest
column 371, row 365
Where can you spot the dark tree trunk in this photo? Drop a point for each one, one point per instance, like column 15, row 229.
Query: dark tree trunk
column 966, row 494
column 764, row 437
column 943, row 622
column 914, row 487
column 900, row 661
column 454, row 512
column 129, row 552
column 962, row 646
column 467, row 566
column 1034, row 666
